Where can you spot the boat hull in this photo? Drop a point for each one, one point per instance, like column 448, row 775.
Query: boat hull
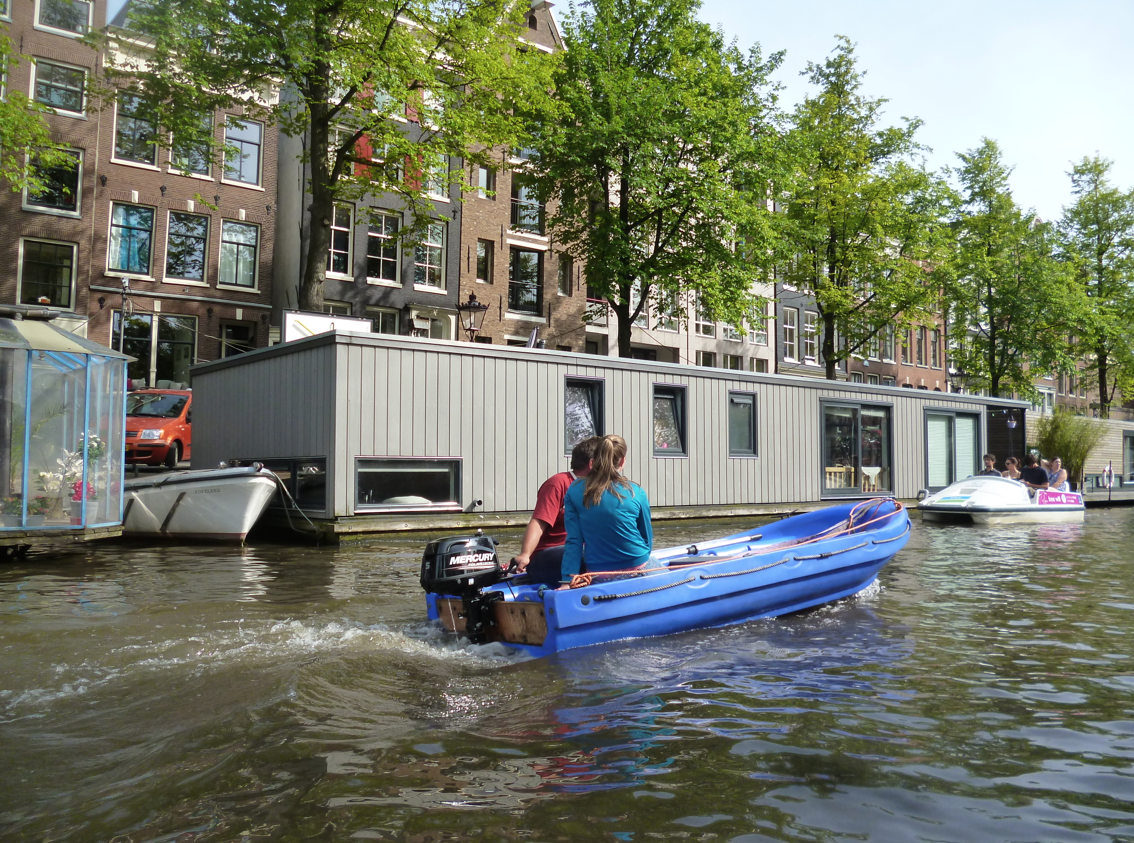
column 997, row 500
column 745, row 577
column 213, row 505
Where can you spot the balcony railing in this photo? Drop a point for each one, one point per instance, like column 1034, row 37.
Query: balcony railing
column 525, row 297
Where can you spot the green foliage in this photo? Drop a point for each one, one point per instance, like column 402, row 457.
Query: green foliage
column 864, row 221
column 661, row 161
column 1098, row 242
column 1013, row 305
column 345, row 71
column 1070, row 437
column 24, row 135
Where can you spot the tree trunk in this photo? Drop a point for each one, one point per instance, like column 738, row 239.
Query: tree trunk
column 829, row 360
column 621, row 309
column 322, row 207
column 1104, row 399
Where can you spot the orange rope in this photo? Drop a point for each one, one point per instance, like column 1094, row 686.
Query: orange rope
column 843, row 527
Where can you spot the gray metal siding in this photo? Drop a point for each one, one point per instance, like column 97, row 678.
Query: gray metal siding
column 501, row 412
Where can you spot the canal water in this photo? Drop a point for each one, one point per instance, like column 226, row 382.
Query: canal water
column 982, row 691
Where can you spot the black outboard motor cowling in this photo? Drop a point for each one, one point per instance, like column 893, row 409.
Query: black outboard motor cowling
column 460, row 565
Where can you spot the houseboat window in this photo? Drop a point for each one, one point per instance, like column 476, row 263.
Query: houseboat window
column 305, row 480
column 856, row 450
column 1128, row 454
column 412, row 483
column 582, row 411
column 741, row 424
column 952, row 447
column 669, row 421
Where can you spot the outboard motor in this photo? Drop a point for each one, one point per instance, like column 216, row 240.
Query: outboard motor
column 464, row 566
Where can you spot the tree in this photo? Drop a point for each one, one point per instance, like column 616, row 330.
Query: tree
column 344, row 69
column 656, row 165
column 1071, row 438
column 24, row 135
column 1012, row 304
column 1098, row 239
column 864, row 224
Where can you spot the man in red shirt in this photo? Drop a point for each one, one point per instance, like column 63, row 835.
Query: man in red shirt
column 541, row 549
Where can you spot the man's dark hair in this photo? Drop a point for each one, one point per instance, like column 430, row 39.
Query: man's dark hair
column 583, row 453
column 1029, row 460
column 990, row 457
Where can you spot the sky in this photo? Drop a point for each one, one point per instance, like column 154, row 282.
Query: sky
column 1049, row 80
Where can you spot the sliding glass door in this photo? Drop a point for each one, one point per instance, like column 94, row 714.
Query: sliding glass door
column 856, row 450
column 952, row 447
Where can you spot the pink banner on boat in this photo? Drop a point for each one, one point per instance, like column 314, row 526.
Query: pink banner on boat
column 1049, row 498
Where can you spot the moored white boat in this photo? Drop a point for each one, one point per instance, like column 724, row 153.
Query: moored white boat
column 219, row 504
column 999, row 500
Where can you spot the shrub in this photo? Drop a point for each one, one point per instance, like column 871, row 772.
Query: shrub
column 1070, row 437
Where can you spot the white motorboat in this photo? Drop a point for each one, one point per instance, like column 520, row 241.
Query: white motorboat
column 219, row 504
column 1000, row 500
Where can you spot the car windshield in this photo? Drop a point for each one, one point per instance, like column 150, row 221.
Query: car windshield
column 155, row 406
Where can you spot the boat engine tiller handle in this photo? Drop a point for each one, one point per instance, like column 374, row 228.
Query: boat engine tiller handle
column 460, row 565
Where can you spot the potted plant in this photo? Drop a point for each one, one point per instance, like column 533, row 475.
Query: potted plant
column 37, row 510
column 11, row 509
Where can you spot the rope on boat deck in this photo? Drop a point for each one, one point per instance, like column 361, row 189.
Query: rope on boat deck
column 600, row 597
column 883, row 541
column 843, row 528
column 833, row 552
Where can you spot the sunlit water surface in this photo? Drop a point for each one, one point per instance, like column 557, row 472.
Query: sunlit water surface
column 982, row 691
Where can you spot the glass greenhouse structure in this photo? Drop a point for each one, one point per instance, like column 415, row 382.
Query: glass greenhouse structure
column 62, row 428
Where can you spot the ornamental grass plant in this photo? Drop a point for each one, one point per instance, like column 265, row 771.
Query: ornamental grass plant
column 1070, row 437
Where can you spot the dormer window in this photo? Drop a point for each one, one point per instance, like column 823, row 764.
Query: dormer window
column 532, row 22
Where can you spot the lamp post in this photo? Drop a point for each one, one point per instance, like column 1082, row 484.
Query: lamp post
column 472, row 316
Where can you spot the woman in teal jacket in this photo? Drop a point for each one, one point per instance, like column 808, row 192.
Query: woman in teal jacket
column 607, row 515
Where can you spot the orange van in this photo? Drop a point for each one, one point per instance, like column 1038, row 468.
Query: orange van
column 159, row 426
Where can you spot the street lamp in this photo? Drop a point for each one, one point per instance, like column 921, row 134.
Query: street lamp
column 472, row 315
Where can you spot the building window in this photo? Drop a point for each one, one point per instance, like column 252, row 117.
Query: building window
column 934, row 345
column 486, row 183
column 134, row 131
column 730, row 333
column 70, row 16
column 741, row 424
column 734, row 362
column 237, row 338
column 872, row 379
column 61, row 188
column 383, row 320
column 921, row 346
column 382, row 261
column 706, row 358
column 47, row 273
column 888, row 344
column 429, row 258
column 185, row 246
column 758, row 364
column 952, row 447
column 337, row 308
column 758, row 324
column 856, row 377
column 60, row 87
column 243, row 139
column 338, row 255
column 810, row 336
column 906, row 358
column 131, row 239
column 703, row 323
column 164, row 347
column 437, row 180
column 582, row 411
column 669, row 421
column 527, row 210
column 238, row 257
column 791, row 334
column 407, row 483
column 194, row 156
column 888, row 380
column 525, row 287
column 566, row 265
column 485, row 250
column 856, row 449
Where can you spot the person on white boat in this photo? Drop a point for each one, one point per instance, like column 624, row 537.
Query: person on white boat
column 1057, row 476
column 1032, row 475
column 1013, row 468
column 989, row 467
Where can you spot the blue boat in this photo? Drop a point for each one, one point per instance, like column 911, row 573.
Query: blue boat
column 787, row 566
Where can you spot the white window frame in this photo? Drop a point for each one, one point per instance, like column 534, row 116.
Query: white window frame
column 425, row 243
column 791, row 334
column 371, row 279
column 349, row 229
column 484, row 185
column 129, row 162
column 172, row 166
column 703, row 324
column 758, row 328
column 708, row 359
column 888, row 340
column 438, row 176
column 124, row 273
column 6, row 14
column 255, row 288
column 810, row 336
column 43, row 27
column 174, row 279
column 38, row 209
column 78, row 115
column 729, row 333
column 259, row 184
column 490, row 253
column 74, row 268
